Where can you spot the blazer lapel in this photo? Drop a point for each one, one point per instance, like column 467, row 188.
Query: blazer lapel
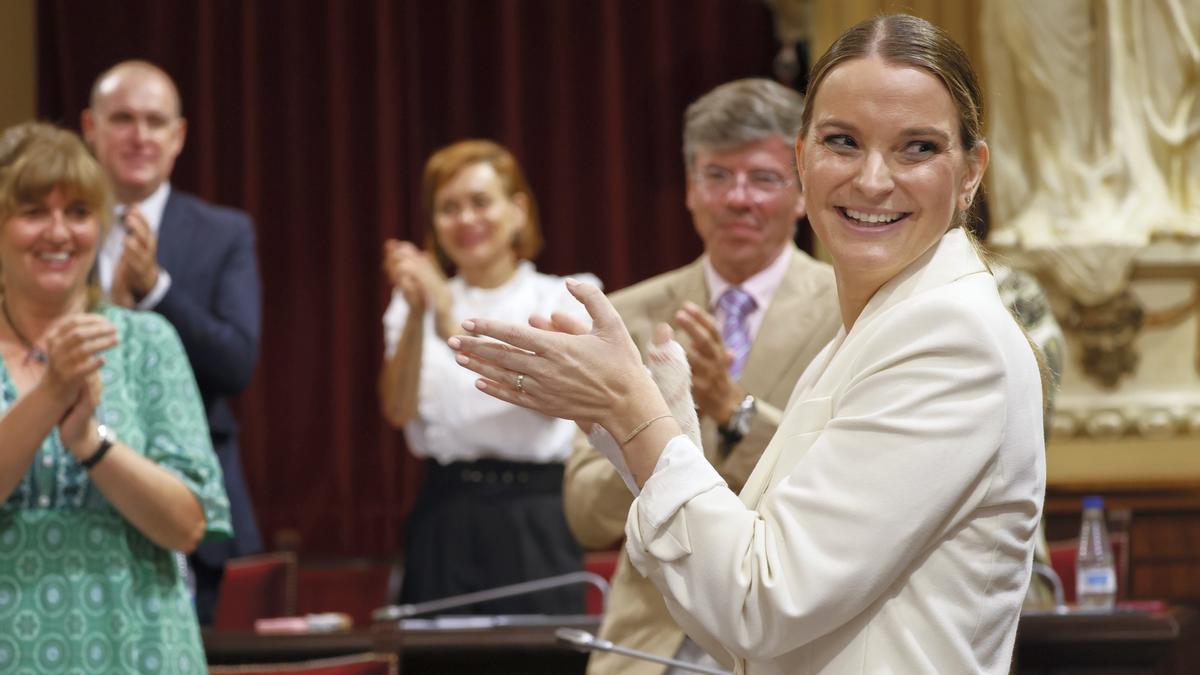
column 175, row 235
column 691, row 288
column 802, row 425
column 951, row 258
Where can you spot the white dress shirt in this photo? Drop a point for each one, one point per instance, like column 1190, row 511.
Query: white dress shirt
column 114, row 244
column 457, row 422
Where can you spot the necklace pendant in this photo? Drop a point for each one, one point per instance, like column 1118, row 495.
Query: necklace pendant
column 32, row 353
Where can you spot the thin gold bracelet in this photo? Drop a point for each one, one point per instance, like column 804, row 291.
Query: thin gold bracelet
column 642, row 427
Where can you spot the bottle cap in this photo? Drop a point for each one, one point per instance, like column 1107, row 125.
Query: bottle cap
column 1093, row 502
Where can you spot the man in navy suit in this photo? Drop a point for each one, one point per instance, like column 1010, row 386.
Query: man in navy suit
column 188, row 260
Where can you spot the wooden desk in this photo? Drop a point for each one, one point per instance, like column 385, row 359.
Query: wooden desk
column 1161, row 642
column 1118, row 643
column 522, row 647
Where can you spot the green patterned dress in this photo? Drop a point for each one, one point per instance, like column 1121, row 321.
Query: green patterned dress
column 81, row 589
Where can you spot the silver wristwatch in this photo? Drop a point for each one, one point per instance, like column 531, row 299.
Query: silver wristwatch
column 739, row 422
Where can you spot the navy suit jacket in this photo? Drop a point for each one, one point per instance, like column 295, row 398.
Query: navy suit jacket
column 215, row 304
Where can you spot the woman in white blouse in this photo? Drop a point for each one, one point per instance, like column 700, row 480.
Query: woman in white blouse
column 490, row 510
column 888, row 527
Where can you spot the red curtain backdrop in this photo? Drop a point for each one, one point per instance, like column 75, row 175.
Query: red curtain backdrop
column 316, row 117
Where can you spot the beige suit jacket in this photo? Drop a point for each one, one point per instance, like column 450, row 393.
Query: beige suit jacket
column 800, row 320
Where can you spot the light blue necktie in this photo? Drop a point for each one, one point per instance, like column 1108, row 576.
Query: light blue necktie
column 737, row 305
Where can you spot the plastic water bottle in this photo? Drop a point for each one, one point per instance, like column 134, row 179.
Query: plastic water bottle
column 1095, row 574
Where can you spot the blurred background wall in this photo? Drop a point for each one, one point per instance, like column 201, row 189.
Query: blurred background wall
column 18, row 82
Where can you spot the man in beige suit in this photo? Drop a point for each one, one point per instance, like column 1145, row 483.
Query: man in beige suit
column 752, row 312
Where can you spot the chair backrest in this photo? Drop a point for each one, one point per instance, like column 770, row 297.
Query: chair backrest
column 256, row 587
column 1062, row 559
column 603, row 563
column 359, row 664
column 355, row 587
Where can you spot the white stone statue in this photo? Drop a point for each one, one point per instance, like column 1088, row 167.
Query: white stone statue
column 1094, row 128
column 1095, row 132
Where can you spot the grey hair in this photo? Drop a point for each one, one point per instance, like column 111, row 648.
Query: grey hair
column 740, row 112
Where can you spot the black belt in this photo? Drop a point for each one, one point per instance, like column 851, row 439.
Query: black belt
column 492, row 473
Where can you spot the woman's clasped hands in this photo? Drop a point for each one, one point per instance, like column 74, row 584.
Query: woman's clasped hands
column 415, row 273
column 72, row 378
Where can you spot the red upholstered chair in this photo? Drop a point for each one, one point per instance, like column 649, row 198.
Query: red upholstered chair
column 1062, row 559
column 256, row 587
column 360, row 664
column 603, row 563
column 355, row 587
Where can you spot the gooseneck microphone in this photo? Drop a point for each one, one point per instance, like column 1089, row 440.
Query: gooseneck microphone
column 397, row 612
column 586, row 642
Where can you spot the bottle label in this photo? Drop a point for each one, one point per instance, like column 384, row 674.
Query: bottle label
column 1096, row 581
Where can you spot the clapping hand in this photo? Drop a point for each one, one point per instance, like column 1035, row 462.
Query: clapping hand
column 416, row 274
column 555, row 368
column 72, row 377
column 668, row 367
column 138, row 267
column 667, row 362
column 717, row 394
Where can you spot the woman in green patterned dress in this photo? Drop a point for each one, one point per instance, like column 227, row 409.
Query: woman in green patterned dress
column 105, row 461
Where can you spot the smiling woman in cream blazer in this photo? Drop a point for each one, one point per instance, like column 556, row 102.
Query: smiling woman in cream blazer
column 888, row 526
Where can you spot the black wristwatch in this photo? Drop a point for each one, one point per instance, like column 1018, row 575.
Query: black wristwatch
column 106, row 442
column 738, row 426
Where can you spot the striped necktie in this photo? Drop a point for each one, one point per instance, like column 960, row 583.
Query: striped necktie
column 737, row 305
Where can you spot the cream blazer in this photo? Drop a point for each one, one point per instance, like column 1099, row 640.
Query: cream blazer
column 888, row 527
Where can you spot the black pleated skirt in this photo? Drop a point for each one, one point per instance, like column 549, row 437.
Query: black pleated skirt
column 479, row 525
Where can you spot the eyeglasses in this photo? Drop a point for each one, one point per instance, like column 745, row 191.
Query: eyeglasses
column 761, row 184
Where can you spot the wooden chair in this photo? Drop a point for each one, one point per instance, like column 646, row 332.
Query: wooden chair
column 356, row 586
column 603, row 563
column 256, row 587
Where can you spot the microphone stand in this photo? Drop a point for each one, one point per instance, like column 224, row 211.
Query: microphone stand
column 398, row 612
column 586, row 642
